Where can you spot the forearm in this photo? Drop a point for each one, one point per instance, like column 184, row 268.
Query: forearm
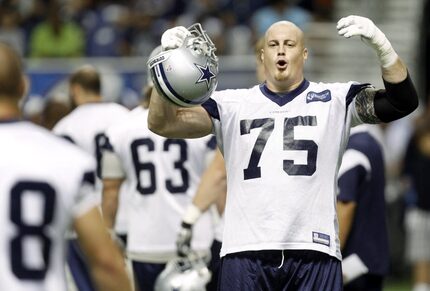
column 345, row 214
column 109, row 209
column 171, row 121
column 104, row 258
column 212, row 186
column 110, row 201
column 112, row 276
column 162, row 114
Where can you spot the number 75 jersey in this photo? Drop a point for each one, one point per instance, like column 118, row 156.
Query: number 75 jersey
column 282, row 154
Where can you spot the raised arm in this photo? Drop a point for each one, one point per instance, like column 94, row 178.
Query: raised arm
column 171, row 121
column 166, row 118
column 399, row 97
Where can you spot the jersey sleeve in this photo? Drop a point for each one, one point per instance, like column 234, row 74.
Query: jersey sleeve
column 111, row 162
column 354, row 169
column 350, row 98
column 87, row 197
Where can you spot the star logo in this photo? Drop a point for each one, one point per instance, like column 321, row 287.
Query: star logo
column 206, row 74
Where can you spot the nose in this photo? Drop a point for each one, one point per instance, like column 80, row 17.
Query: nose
column 281, row 50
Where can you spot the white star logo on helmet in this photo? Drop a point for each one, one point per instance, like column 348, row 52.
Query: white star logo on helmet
column 206, row 74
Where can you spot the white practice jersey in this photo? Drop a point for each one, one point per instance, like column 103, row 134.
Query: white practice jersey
column 85, row 126
column 162, row 176
column 282, row 156
column 45, row 182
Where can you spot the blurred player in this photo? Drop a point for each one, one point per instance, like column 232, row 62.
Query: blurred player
column 417, row 217
column 361, row 211
column 211, row 190
column 46, row 184
column 85, row 126
column 160, row 176
column 282, row 142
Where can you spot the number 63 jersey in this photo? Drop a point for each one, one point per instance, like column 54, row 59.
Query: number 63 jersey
column 161, row 178
column 282, row 154
column 45, row 182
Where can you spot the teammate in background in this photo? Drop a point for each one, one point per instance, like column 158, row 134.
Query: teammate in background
column 282, row 142
column 211, row 190
column 417, row 218
column 85, row 126
column 160, row 177
column 46, row 184
column 361, row 211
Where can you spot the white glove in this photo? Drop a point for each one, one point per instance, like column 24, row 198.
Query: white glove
column 360, row 26
column 174, row 37
column 183, row 241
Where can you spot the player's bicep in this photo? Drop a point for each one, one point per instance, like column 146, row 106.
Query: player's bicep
column 364, row 104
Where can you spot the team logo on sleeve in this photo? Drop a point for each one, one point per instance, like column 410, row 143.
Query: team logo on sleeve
column 323, row 96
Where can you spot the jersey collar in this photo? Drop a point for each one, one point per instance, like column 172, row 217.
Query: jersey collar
column 283, row 98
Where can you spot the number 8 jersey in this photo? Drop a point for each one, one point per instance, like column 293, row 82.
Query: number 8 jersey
column 282, row 154
column 45, row 182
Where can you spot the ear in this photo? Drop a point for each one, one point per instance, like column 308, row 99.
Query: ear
column 305, row 54
column 262, row 55
column 75, row 93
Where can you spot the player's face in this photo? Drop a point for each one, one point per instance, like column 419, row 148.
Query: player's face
column 284, row 56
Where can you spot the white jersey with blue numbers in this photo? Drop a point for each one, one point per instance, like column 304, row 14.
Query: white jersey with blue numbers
column 45, row 182
column 282, row 155
column 162, row 176
column 85, row 126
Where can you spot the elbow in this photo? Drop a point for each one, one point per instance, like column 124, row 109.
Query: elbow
column 156, row 125
column 399, row 100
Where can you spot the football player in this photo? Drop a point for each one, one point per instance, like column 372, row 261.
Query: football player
column 282, row 143
column 361, row 210
column 211, row 190
column 85, row 126
column 417, row 216
column 160, row 177
column 46, row 184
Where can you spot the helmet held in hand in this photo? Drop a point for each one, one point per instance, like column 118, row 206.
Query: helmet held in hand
column 188, row 273
column 187, row 75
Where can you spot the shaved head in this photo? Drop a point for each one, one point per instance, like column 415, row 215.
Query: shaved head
column 282, row 25
column 11, row 73
column 283, row 56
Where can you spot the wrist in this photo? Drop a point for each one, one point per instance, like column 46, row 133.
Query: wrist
column 386, row 54
column 191, row 215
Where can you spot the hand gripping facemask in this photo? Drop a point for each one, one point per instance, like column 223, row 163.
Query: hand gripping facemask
column 187, row 75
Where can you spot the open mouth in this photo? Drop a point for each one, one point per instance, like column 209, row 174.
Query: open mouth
column 281, row 64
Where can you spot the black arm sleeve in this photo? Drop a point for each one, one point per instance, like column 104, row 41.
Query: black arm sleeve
column 396, row 101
